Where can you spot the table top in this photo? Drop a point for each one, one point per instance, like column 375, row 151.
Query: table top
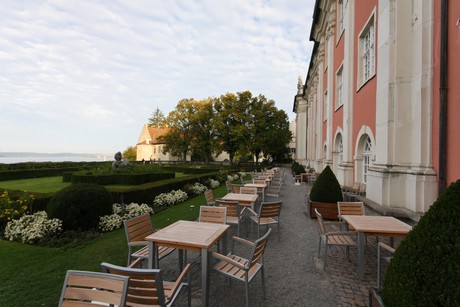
column 189, row 234
column 241, row 197
column 255, row 185
column 377, row 224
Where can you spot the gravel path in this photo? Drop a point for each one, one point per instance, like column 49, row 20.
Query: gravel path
column 293, row 275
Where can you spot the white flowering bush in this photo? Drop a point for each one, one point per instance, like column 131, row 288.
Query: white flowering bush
column 213, row 183
column 31, row 228
column 170, row 199
column 198, row 188
column 236, row 177
column 242, row 174
column 121, row 213
column 230, row 178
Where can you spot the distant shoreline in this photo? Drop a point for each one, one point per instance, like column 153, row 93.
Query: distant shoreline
column 20, row 157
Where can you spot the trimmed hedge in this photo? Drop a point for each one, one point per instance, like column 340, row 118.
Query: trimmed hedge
column 326, row 188
column 34, row 173
column 425, row 270
column 122, row 179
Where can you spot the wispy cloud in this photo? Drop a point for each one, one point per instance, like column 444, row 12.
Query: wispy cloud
column 86, row 75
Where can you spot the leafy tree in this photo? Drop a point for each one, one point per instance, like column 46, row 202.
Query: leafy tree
column 231, row 122
column 130, row 153
column 178, row 140
column 157, row 120
column 268, row 129
column 203, row 132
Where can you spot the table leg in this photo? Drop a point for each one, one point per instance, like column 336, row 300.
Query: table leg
column 150, row 259
column 153, row 260
column 204, row 277
column 361, row 260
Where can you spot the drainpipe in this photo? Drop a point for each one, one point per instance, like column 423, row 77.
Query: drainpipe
column 443, row 100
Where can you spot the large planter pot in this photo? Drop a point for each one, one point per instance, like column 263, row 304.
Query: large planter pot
column 327, row 210
column 374, row 298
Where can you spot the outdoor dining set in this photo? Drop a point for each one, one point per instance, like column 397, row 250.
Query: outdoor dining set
column 141, row 282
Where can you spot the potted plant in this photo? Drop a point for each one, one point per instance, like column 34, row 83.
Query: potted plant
column 426, row 265
column 324, row 195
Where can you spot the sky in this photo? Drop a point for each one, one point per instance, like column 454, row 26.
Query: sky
column 84, row 76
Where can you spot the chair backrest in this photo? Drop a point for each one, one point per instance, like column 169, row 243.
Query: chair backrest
column 258, row 249
column 145, row 285
column 270, row 209
column 93, row 288
column 236, row 188
column 259, row 181
column 137, row 228
column 233, row 208
column 322, row 229
column 351, row 208
column 209, row 196
column 228, row 184
column 248, row 190
column 213, row 214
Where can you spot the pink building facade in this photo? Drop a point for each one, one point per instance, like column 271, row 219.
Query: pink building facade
column 381, row 100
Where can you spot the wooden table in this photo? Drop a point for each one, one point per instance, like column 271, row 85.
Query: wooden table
column 247, row 200
column 260, row 188
column 187, row 235
column 383, row 226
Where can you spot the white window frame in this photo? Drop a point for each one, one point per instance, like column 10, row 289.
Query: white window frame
column 340, row 149
column 339, row 88
column 340, row 18
column 367, row 154
column 366, row 69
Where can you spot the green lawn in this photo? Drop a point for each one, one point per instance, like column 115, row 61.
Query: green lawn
column 33, row 275
column 40, row 185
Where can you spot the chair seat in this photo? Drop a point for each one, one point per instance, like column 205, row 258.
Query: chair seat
column 264, row 220
column 235, row 272
column 340, row 240
column 143, row 253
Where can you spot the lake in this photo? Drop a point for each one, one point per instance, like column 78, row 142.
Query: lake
column 9, row 158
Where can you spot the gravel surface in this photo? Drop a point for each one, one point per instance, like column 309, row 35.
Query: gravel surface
column 293, row 275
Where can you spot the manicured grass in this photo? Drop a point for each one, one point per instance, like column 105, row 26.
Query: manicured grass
column 33, row 275
column 41, row 185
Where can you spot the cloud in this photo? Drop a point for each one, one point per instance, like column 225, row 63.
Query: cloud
column 111, row 63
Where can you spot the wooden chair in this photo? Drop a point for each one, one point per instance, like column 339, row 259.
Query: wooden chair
column 234, row 212
column 228, row 185
column 236, row 188
column 243, row 269
column 269, row 214
column 209, row 196
column 213, row 214
column 248, row 190
column 259, row 181
column 274, row 189
column 136, row 229
column 351, row 208
column 147, row 288
column 331, row 238
column 382, row 246
column 82, row 288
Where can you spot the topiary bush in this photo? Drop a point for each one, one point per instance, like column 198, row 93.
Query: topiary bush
column 297, row 168
column 79, row 206
column 425, row 270
column 326, row 188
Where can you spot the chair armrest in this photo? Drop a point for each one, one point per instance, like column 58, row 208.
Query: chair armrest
column 387, row 247
column 341, row 233
column 138, row 243
column 252, row 212
column 229, row 260
column 179, row 279
column 238, row 239
column 242, row 211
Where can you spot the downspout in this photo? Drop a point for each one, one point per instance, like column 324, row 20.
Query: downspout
column 443, row 100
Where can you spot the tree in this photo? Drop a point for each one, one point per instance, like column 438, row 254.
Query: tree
column 230, row 122
column 268, row 129
column 130, row 153
column 157, row 120
column 203, row 132
column 178, row 140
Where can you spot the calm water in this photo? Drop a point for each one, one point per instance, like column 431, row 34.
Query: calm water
column 8, row 159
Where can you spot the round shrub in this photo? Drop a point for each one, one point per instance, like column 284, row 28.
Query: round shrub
column 425, row 270
column 297, row 168
column 79, row 206
column 326, row 188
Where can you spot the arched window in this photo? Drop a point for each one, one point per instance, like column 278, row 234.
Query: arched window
column 339, row 148
column 367, row 152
